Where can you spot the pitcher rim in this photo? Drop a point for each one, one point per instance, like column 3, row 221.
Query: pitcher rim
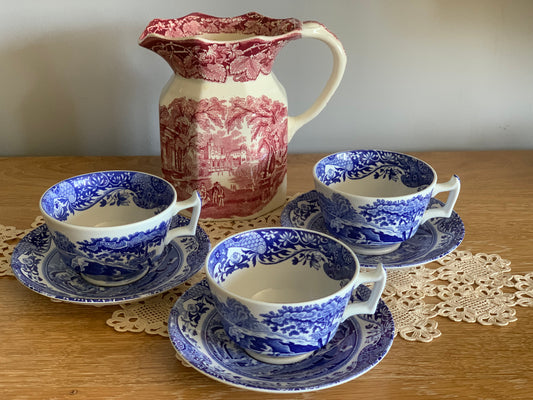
column 296, row 28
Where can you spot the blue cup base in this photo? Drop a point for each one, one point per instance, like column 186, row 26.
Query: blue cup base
column 112, row 283
column 377, row 250
column 278, row 360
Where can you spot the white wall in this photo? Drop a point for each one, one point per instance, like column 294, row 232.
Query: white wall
column 421, row 74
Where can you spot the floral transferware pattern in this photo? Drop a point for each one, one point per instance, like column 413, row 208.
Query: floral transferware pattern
column 375, row 164
column 179, row 41
column 433, row 239
column 107, row 188
column 416, row 296
column 374, row 220
column 359, row 344
column 36, row 263
column 224, row 127
column 382, row 222
column 290, row 329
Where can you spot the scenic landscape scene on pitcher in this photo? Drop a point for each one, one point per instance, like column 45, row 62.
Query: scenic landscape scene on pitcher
column 206, row 146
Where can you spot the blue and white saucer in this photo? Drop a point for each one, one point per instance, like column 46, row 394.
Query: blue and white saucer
column 37, row 265
column 434, row 239
column 196, row 331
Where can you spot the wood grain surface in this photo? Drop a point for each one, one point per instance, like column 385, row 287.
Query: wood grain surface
column 63, row 351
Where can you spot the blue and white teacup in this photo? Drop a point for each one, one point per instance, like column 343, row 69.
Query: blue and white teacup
column 282, row 292
column 111, row 226
column 374, row 200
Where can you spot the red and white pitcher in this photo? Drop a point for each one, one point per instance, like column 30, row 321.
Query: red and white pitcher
column 223, row 115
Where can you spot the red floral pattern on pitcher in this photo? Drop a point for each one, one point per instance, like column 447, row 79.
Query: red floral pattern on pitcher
column 202, row 57
column 234, row 152
column 199, row 24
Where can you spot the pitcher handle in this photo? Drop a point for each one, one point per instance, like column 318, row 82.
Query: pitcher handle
column 315, row 30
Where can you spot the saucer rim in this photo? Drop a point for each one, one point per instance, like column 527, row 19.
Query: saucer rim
column 173, row 329
column 74, row 298
column 459, row 237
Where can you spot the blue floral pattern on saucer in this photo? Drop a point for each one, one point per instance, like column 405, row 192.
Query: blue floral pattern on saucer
column 196, row 331
column 433, row 240
column 37, row 264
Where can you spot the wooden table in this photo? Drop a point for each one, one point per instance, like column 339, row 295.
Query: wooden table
column 58, row 351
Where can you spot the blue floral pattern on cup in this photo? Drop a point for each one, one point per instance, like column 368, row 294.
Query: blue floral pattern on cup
column 376, row 163
column 112, row 226
column 272, row 247
column 106, row 188
column 120, row 257
column 383, row 222
column 374, row 199
column 433, row 240
column 289, row 330
column 286, row 329
column 37, row 265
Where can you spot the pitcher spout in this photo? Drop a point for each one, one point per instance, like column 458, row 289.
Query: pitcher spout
column 200, row 46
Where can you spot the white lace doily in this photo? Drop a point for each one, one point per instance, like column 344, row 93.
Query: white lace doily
column 9, row 237
column 462, row 286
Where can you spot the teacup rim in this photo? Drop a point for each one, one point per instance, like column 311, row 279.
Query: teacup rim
column 349, row 286
column 106, row 228
column 429, row 187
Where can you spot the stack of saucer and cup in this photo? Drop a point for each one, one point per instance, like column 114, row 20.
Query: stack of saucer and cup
column 112, row 226
column 374, row 200
column 281, row 293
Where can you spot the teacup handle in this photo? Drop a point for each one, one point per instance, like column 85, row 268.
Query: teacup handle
column 194, row 202
column 315, row 30
column 379, row 277
column 453, row 186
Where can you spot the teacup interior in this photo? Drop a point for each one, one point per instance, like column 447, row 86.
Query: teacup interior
column 281, row 283
column 109, row 198
column 110, row 216
column 374, row 173
column 262, row 268
column 370, row 187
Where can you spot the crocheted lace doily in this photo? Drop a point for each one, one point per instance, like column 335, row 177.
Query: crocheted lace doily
column 9, row 237
column 462, row 286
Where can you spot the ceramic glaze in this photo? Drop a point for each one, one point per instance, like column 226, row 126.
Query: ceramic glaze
column 196, row 331
column 433, row 240
column 223, row 115
column 111, row 226
column 36, row 263
column 282, row 292
column 281, row 283
column 374, row 200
